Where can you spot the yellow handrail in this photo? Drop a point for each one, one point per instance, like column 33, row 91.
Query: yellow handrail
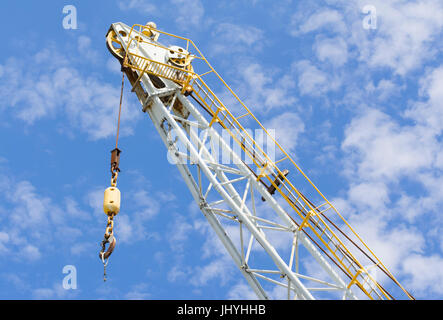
column 288, row 191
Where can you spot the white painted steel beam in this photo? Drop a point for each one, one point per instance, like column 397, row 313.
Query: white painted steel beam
column 239, row 200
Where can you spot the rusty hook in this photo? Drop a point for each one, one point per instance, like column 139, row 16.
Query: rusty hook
column 103, row 255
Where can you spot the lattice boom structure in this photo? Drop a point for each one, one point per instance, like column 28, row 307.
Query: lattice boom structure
column 263, row 233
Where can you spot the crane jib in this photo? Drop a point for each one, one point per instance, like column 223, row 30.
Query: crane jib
column 164, row 78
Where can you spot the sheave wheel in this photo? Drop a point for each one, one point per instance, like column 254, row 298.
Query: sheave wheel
column 114, row 45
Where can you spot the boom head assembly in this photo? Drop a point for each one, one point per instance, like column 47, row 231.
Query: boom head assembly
column 171, row 78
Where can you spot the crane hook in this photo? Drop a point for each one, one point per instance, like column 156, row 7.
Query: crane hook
column 104, row 255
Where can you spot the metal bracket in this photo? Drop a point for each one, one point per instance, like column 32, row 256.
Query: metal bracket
column 161, row 93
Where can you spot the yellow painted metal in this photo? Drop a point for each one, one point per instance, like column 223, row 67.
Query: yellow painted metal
column 263, row 171
column 262, row 161
column 215, row 118
column 306, row 219
column 111, row 39
column 143, row 64
column 186, row 86
column 111, row 201
column 242, row 116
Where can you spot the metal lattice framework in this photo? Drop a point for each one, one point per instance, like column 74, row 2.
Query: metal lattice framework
column 263, row 233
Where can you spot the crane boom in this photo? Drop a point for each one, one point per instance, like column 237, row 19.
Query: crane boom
column 264, row 210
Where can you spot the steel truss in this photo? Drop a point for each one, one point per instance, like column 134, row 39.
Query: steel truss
column 263, row 239
column 226, row 200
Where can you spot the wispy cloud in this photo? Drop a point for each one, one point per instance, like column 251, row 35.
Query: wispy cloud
column 51, row 87
column 391, row 146
column 188, row 13
column 142, row 6
column 288, row 126
column 319, row 20
column 229, row 38
column 401, row 42
column 33, row 222
column 313, row 81
column 382, row 154
column 56, row 292
column 333, row 50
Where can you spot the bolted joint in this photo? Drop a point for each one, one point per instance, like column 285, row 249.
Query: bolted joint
column 278, row 180
column 202, row 204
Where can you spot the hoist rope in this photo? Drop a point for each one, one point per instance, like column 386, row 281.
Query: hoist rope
column 120, row 110
column 115, row 160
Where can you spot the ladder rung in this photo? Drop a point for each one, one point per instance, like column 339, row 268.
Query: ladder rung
column 246, row 114
column 166, row 71
column 283, row 159
column 169, row 74
column 336, row 249
column 343, row 258
column 318, row 207
column 160, row 69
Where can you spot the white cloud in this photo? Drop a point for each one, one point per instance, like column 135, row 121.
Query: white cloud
column 430, row 112
column 50, row 86
column 33, row 221
column 138, row 207
column 328, row 19
column 30, row 253
column 385, row 149
column 263, row 90
column 373, row 195
column 125, row 229
column 220, row 268
column 383, row 90
column 17, row 280
column 131, row 224
column 73, row 208
column 218, row 265
column 241, row 291
column 4, row 237
column 113, row 65
column 82, row 248
column 288, row 126
column 179, row 273
column 150, row 205
column 31, row 209
column 94, row 199
column 312, row 81
column 142, row 6
column 231, row 38
column 188, row 13
column 54, row 293
column 334, row 50
column 179, row 233
column 138, row 292
column 392, row 243
column 426, row 273
column 85, row 49
column 383, row 152
column 88, row 100
column 406, row 36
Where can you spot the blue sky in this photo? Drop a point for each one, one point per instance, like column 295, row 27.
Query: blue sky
column 369, row 114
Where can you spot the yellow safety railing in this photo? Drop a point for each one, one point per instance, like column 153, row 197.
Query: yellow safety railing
column 313, row 221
